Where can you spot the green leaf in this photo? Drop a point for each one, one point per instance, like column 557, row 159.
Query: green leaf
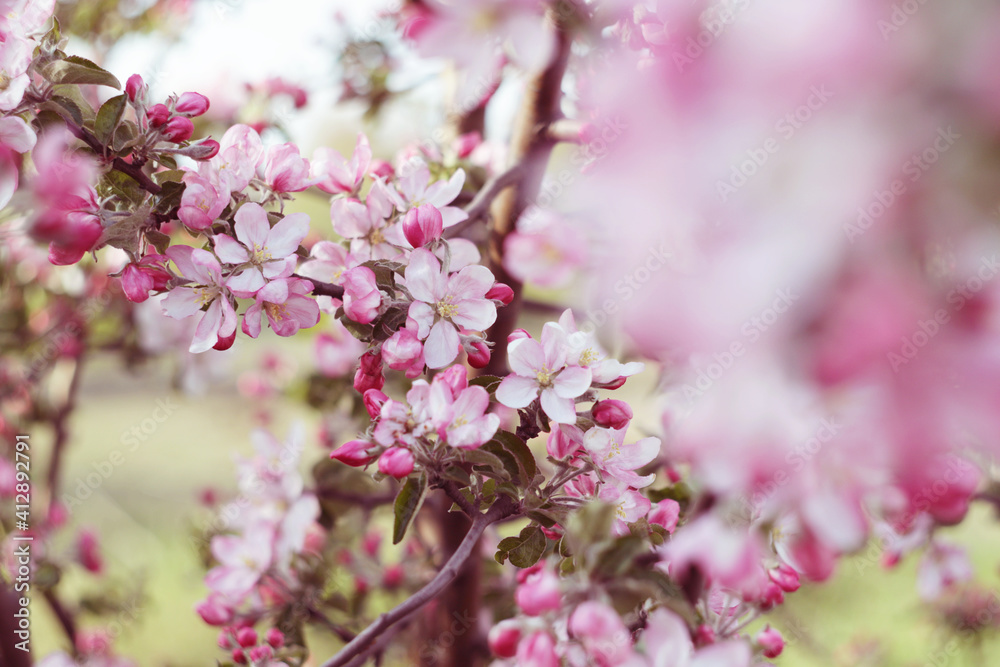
column 170, row 196
column 617, row 557
column 519, row 459
column 171, row 175
column 109, row 117
column 77, row 70
column 158, row 239
column 124, row 186
column 124, row 233
column 481, row 456
column 67, row 109
column 126, row 136
column 407, row 504
column 487, row 382
column 523, row 550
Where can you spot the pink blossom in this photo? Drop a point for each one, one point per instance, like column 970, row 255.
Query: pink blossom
column 243, row 560
column 374, row 399
column 564, row 441
column 135, row 87
column 539, row 593
column 178, row 129
column 284, row 170
column 362, row 297
column 726, row 556
column 206, row 289
column 414, row 189
column 603, row 634
column 337, row 351
column 665, row 513
column 15, row 56
column 332, row 173
column 537, row 650
column 540, row 368
column 443, row 304
column 201, row 203
column 396, row 462
column 403, row 351
column 369, row 374
column 24, row 16
column 612, row 414
column 612, row 456
column 771, row 641
column 467, row 424
column 16, row 134
column 548, row 254
column 89, row 551
column 366, row 225
column 286, row 305
column 941, row 568
column 503, row 638
column 668, row 643
column 270, row 251
column 236, row 163
column 629, row 504
column 584, row 350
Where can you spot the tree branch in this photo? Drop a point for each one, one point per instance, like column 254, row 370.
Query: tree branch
column 118, row 164
column 321, row 288
column 480, row 204
column 502, row 508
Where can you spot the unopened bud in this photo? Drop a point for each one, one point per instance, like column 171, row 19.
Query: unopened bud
column 422, row 224
column 178, row 129
column 133, row 87
column 192, row 104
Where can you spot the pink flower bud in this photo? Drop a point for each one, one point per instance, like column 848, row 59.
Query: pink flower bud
column 369, row 373
column 381, row 169
column 225, row 640
column 517, row 334
column 785, row 577
column 393, row 576
column 133, row 87
column 564, row 440
column 246, row 637
column 771, row 597
column 178, row 129
column 539, row 593
column 396, row 462
column 192, row 104
column 466, row 143
column 204, row 150
column 422, row 224
column 612, row 413
column 353, row 453
column 614, row 384
column 665, row 513
column 214, row 611
column 239, row 657
column 373, row 399
column 771, row 641
column 88, row 552
column 261, row 653
column 501, row 292
column 480, row 358
column 361, row 295
column 504, row 637
column 158, row 114
column 370, row 543
column 521, row 576
column 538, row 650
column 275, row 638
column 704, row 635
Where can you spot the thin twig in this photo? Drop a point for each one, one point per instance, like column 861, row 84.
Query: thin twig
column 118, row 164
column 321, row 288
column 363, row 642
column 480, row 204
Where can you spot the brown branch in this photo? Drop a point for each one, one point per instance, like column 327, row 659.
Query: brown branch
column 452, row 491
column 321, row 288
column 502, row 508
column 480, row 204
column 64, row 616
column 118, row 164
column 61, row 429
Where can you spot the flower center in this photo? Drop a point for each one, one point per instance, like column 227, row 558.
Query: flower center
column 4, row 80
column 620, row 511
column 206, row 295
column 544, row 377
column 260, row 255
column 276, row 312
column 376, row 237
column 588, row 357
column 445, row 308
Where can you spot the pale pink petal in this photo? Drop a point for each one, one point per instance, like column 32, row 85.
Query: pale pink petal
column 285, row 237
column 423, row 277
column 246, row 283
column 572, row 382
column 525, row 357
column 252, row 226
column 422, row 315
column 206, row 335
column 442, row 345
column 442, row 193
column 230, row 250
column 562, row 410
column 350, row 218
column 472, row 282
column 517, row 392
column 252, row 320
column 475, row 315
column 181, row 302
